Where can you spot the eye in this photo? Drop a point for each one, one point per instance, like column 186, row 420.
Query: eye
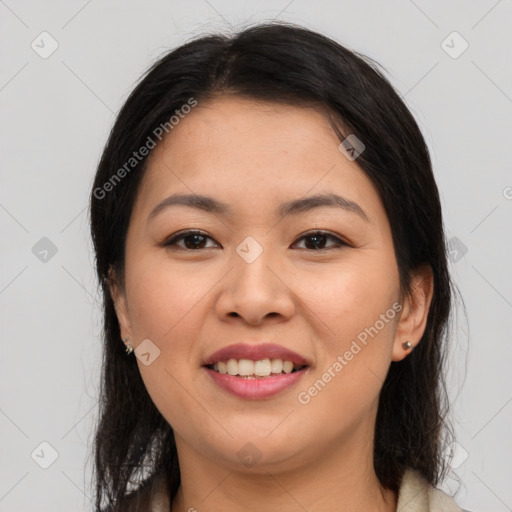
column 318, row 240
column 192, row 239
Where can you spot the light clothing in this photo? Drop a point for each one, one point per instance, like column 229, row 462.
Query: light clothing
column 415, row 495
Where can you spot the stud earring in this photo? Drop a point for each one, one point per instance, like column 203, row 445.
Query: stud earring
column 407, row 345
column 129, row 348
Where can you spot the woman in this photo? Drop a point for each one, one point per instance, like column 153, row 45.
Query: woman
column 270, row 245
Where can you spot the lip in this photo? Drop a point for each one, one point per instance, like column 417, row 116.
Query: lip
column 256, row 352
column 255, row 388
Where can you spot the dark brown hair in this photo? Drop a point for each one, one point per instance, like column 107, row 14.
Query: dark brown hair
column 276, row 62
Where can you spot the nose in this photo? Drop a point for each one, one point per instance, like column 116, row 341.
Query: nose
column 255, row 291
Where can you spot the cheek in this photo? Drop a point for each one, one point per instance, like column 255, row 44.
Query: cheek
column 163, row 297
column 355, row 310
column 350, row 296
column 167, row 307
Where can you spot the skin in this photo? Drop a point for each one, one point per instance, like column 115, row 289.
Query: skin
column 255, row 156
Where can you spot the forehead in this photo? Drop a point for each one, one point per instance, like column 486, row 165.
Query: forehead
column 247, row 128
column 252, row 152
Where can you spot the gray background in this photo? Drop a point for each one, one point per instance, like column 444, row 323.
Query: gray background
column 56, row 113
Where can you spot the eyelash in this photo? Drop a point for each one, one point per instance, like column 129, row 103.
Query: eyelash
column 180, row 236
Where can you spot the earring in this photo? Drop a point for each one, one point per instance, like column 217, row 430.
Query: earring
column 407, row 345
column 129, row 348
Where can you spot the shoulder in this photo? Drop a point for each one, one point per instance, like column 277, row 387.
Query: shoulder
column 416, row 494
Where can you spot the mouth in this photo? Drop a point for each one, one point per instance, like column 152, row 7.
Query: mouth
column 255, row 371
column 260, row 369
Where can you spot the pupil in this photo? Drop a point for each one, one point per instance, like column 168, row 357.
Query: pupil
column 195, row 237
column 317, row 243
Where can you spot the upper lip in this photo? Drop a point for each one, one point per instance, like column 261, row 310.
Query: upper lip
column 256, row 352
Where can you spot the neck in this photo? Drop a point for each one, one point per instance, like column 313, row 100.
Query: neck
column 342, row 479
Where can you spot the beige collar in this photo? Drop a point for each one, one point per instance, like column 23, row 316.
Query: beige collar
column 415, row 495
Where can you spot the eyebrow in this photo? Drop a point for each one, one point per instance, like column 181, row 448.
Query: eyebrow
column 294, row 207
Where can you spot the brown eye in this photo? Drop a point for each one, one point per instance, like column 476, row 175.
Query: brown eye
column 192, row 240
column 196, row 240
column 318, row 239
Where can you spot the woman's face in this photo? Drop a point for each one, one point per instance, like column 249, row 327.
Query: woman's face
column 255, row 277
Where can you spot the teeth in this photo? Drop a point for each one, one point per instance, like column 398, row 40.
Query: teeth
column 232, row 367
column 287, row 367
column 247, row 368
column 262, row 368
column 277, row 366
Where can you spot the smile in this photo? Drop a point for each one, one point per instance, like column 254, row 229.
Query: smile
column 250, row 379
column 248, row 369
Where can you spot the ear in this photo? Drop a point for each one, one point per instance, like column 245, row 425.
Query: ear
column 413, row 318
column 120, row 304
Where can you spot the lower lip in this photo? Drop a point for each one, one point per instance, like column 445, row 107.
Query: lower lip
column 255, row 388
